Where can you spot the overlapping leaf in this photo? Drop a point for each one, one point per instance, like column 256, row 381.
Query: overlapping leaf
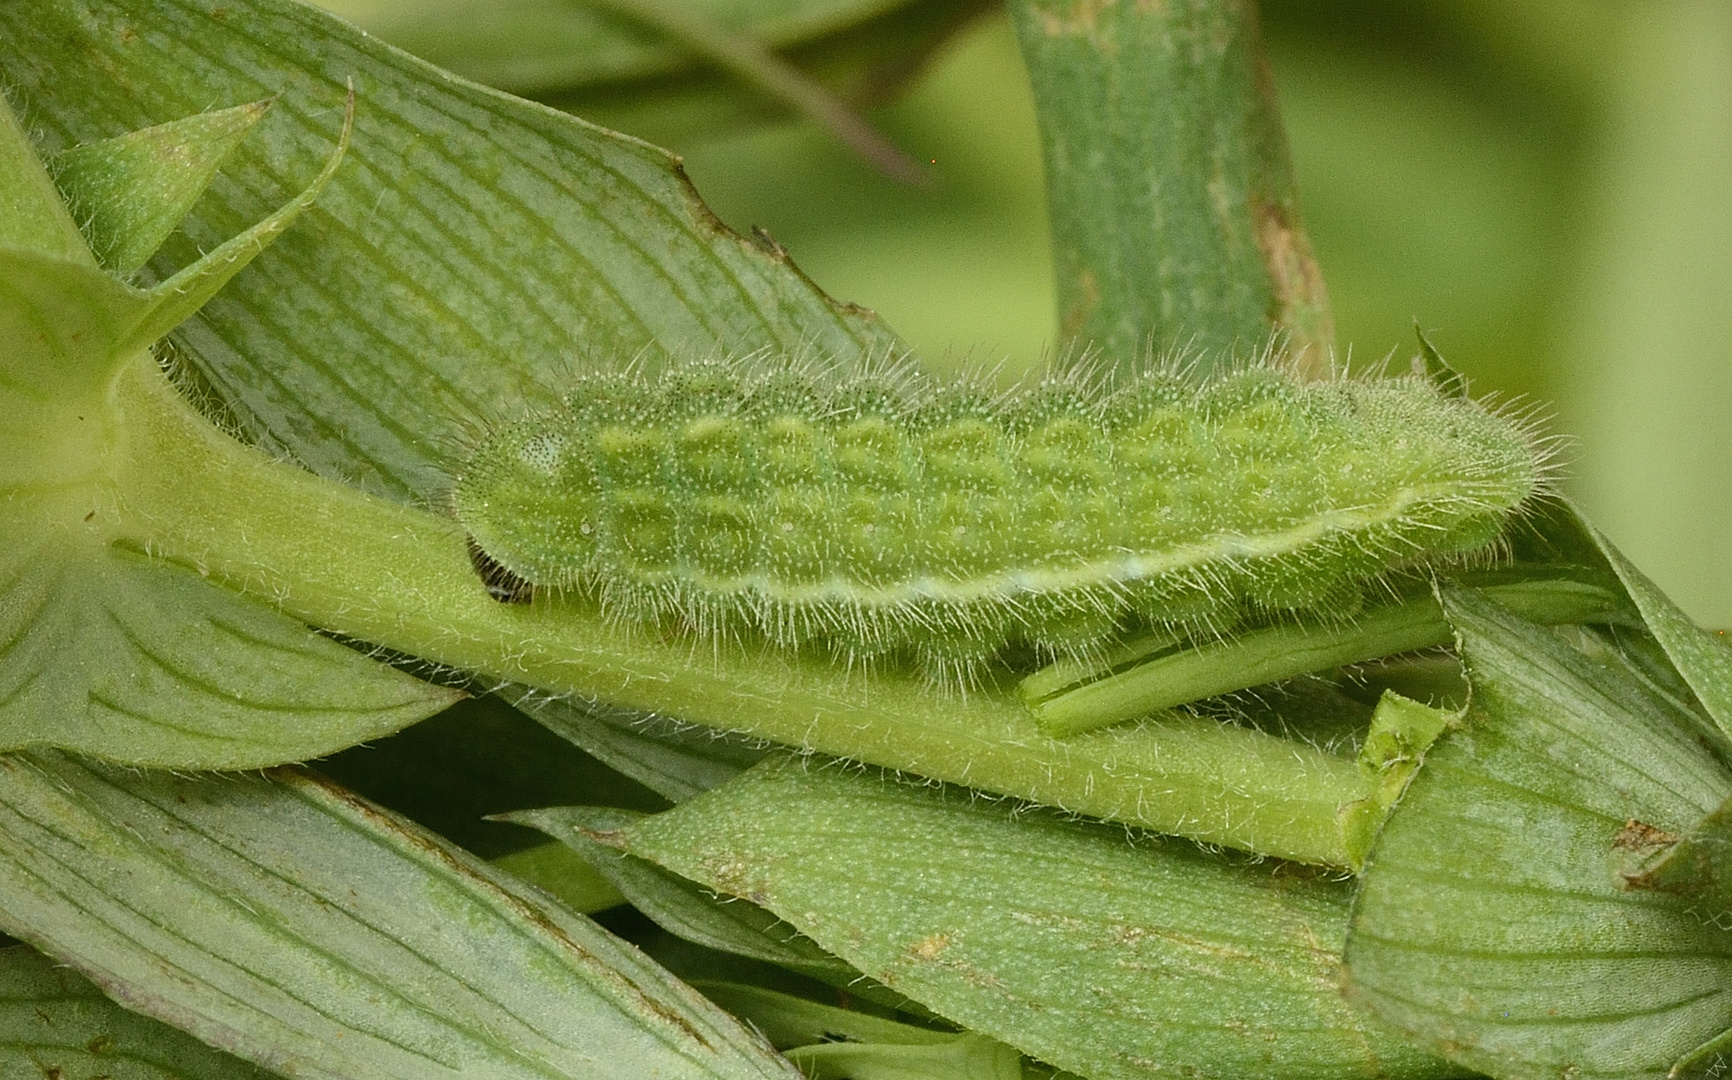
column 1063, row 939
column 299, row 927
column 54, row 1024
column 1492, row 923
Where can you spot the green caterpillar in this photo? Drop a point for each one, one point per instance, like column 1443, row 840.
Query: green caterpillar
column 884, row 511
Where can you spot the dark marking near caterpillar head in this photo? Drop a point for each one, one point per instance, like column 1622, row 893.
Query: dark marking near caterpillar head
column 502, row 584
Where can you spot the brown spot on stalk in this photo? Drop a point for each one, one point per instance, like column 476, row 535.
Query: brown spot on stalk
column 1088, row 298
column 1080, row 18
column 1301, row 304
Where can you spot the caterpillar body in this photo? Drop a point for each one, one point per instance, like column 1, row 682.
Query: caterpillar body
column 888, row 512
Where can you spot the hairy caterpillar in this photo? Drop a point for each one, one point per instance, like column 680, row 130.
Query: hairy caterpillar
column 885, row 511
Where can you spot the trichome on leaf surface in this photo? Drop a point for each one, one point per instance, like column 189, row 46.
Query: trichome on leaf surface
column 1316, row 738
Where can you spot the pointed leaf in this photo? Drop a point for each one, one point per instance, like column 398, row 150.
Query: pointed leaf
column 681, row 907
column 33, row 217
column 285, row 920
column 675, row 760
column 961, row 1057
column 55, row 1024
column 794, row 1021
column 133, row 189
column 175, row 300
column 472, row 248
column 1702, row 657
column 1097, row 955
column 1433, row 366
column 1490, row 922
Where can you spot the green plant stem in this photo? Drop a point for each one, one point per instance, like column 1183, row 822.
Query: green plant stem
column 400, row 577
column 1281, row 652
column 762, row 69
column 1175, row 216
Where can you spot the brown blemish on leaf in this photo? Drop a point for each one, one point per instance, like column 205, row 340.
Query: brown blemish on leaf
column 769, row 244
column 929, row 949
column 1642, row 838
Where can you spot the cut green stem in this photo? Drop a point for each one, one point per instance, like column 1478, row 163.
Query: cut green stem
column 1118, row 693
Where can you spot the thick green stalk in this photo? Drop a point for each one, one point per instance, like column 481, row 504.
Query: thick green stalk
column 390, row 574
column 1175, row 217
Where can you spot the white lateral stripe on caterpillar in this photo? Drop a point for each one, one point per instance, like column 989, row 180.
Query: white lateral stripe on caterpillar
column 885, row 510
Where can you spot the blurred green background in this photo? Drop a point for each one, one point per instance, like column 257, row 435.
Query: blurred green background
column 1545, row 185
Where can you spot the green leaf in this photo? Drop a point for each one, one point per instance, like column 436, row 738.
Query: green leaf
column 132, row 190
column 33, row 218
column 837, row 1043
column 112, row 653
column 961, row 1057
column 1702, row 657
column 176, row 299
column 472, row 247
column 1109, row 958
column 794, row 1021
column 1433, row 366
column 1490, row 922
column 55, row 1024
column 561, row 872
column 1187, row 235
column 68, row 328
column 104, row 649
column 675, row 760
column 285, row 920
column 685, row 909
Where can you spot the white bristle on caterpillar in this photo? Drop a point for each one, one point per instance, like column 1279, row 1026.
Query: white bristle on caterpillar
column 884, row 511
